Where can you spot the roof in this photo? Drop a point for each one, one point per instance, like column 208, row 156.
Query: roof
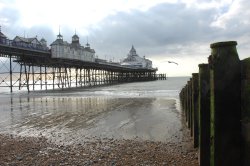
column 89, row 49
column 57, row 41
column 27, row 40
column 43, row 40
column 132, row 51
column 75, row 36
column 2, row 35
column 59, row 35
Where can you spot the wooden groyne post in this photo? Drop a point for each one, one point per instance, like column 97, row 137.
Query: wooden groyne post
column 195, row 122
column 189, row 98
column 219, row 116
column 245, row 89
column 204, row 115
column 225, row 81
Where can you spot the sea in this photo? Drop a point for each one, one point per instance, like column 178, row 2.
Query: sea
column 141, row 110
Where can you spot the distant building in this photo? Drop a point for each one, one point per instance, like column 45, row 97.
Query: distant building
column 43, row 42
column 73, row 50
column 31, row 43
column 27, row 40
column 2, row 35
column 134, row 60
column 3, row 38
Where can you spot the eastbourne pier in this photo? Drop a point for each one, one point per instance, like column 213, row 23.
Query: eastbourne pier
column 28, row 64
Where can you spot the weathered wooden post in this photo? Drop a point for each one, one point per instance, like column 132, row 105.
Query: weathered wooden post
column 184, row 108
column 189, row 104
column 245, row 89
column 195, row 92
column 225, row 100
column 204, row 115
column 191, row 107
column 184, row 102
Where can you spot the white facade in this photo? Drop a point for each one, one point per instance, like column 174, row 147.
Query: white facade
column 62, row 49
column 134, row 60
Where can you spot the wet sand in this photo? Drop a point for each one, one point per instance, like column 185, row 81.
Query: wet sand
column 68, row 120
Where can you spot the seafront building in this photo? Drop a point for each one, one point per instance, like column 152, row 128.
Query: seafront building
column 3, row 38
column 63, row 50
column 134, row 60
column 73, row 50
column 30, row 42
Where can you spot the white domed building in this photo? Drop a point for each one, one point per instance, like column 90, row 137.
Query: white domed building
column 134, row 60
column 74, row 50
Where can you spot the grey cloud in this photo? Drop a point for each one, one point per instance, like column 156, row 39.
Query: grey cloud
column 9, row 19
column 164, row 26
column 35, row 31
column 41, row 32
column 153, row 30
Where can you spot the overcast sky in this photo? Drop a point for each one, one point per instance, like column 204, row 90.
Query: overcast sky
column 161, row 30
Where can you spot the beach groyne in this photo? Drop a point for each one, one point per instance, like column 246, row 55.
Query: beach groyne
column 216, row 106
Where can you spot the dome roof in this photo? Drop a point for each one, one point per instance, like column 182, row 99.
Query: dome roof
column 59, row 37
column 43, row 40
column 75, row 36
column 132, row 52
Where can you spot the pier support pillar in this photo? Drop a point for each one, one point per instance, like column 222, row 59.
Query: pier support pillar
column 11, row 84
column 204, row 115
column 225, row 104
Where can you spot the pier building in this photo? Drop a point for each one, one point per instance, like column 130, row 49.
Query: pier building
column 30, row 43
column 74, row 50
column 134, row 60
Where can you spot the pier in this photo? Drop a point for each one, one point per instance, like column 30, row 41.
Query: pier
column 29, row 66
